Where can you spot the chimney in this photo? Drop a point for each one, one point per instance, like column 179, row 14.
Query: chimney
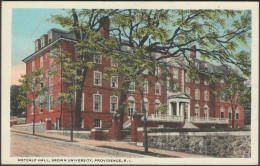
column 37, row 44
column 193, row 52
column 105, row 26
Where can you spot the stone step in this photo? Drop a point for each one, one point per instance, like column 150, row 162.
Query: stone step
column 189, row 125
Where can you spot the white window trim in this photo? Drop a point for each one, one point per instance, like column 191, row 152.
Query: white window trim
column 197, row 81
column 206, row 83
column 146, row 83
column 83, row 102
column 229, row 111
column 100, row 84
column 116, row 81
column 41, row 62
column 221, row 98
column 95, row 59
column 207, row 111
column 51, row 95
column 132, row 84
column 111, row 103
column 222, row 110
column 99, row 124
column 94, row 103
column 33, row 65
column 113, row 63
column 237, row 112
column 32, row 107
column 159, row 85
column 157, row 71
column 187, row 89
column 175, row 74
column 51, row 80
column 205, row 96
column 145, row 71
column 197, row 98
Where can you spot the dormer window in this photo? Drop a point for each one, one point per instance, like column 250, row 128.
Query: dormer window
column 42, row 42
column 36, row 46
column 50, row 37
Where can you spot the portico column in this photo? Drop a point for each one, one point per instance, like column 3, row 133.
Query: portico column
column 182, row 109
column 188, row 112
column 170, row 109
column 177, row 111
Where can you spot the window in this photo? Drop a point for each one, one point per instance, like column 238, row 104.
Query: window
column 206, row 95
column 51, row 80
column 197, row 94
column 206, row 83
column 97, row 78
column 206, row 67
column 51, row 102
column 131, row 106
column 187, row 77
column 43, row 41
column 197, row 81
column 97, row 103
column 197, row 110
column 50, row 37
column 97, row 123
column 113, row 103
column 114, row 82
column 83, row 102
column 157, row 88
column 156, row 106
column 41, row 109
column 145, row 88
column 237, row 114
column 187, row 91
column 41, row 62
column 131, row 86
column 146, row 105
column 113, row 63
column 98, row 59
column 175, row 74
column 222, row 115
column 222, row 83
column 36, row 45
column 32, row 107
column 157, row 71
column 51, row 55
column 33, row 65
column 222, row 98
column 145, row 71
column 230, row 114
column 206, row 111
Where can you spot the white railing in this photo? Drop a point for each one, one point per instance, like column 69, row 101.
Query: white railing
column 208, row 120
column 167, row 118
column 127, row 123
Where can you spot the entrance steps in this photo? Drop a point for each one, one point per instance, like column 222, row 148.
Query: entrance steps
column 189, row 125
column 127, row 139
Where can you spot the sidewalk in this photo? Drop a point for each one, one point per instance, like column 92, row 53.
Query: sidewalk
column 117, row 144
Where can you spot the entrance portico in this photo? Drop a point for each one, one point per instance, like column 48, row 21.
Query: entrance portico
column 179, row 105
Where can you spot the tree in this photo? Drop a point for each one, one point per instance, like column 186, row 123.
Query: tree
column 15, row 111
column 86, row 24
column 234, row 90
column 33, row 86
column 72, row 81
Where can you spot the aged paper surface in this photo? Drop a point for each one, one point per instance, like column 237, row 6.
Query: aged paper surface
column 6, row 76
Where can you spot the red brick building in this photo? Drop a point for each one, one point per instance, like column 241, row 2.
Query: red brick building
column 193, row 105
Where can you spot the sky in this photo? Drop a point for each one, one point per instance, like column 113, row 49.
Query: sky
column 27, row 26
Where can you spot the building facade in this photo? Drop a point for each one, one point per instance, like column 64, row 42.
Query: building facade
column 194, row 105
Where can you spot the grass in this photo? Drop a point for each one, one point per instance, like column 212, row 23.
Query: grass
column 137, row 152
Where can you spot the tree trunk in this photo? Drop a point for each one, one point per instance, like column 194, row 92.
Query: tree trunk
column 33, row 118
column 71, row 121
column 78, row 109
column 145, row 123
column 122, row 100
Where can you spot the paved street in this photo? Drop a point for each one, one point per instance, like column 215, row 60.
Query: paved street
column 26, row 145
